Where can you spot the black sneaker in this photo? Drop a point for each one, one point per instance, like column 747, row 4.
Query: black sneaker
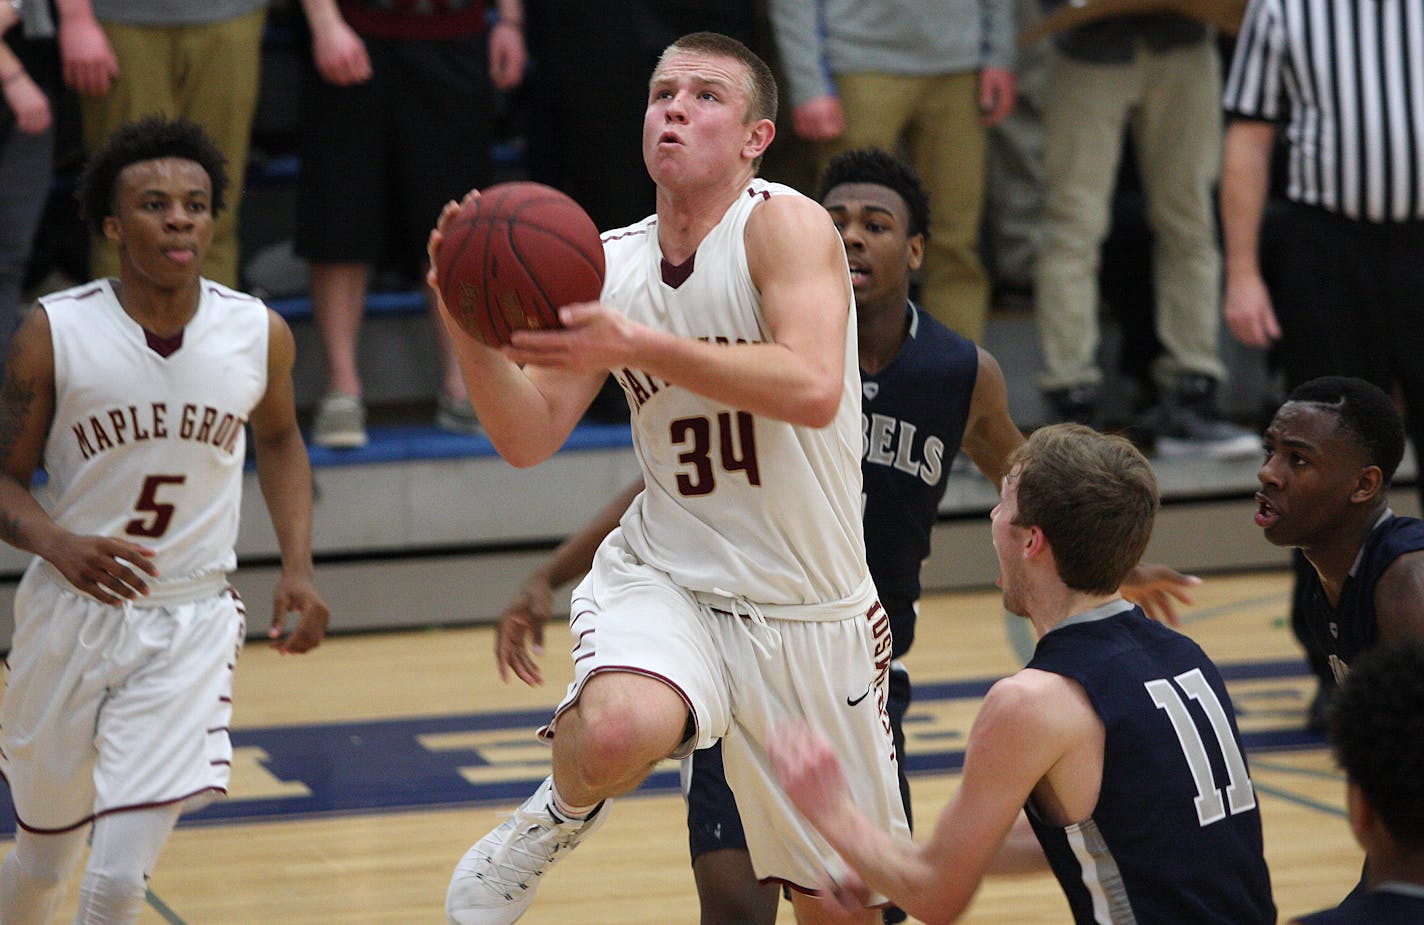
column 1185, row 424
column 1078, row 404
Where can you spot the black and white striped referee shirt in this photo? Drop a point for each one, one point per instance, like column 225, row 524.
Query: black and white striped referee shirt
column 1347, row 79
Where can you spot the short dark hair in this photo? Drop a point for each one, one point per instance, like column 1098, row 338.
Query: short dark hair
column 761, row 90
column 1093, row 496
column 151, row 138
column 872, row 165
column 1366, row 411
column 1376, row 724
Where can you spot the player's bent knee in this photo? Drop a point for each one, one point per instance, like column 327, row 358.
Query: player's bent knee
column 627, row 720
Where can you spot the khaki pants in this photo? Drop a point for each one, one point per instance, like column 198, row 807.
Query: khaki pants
column 207, row 74
column 935, row 120
column 1171, row 104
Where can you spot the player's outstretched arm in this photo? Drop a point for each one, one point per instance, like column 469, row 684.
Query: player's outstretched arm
column 527, row 411
column 106, row 568
column 1023, row 728
column 990, row 434
column 520, row 634
column 1158, row 589
column 284, row 473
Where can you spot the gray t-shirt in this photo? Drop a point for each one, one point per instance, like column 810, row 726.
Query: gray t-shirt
column 173, row 12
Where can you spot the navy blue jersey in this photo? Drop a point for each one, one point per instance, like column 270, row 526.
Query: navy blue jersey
column 1391, row 904
column 1176, row 834
column 1349, row 628
column 913, row 414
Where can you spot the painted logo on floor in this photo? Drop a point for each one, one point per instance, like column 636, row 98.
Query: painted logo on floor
column 421, row 763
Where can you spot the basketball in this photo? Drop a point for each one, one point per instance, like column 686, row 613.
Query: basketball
column 513, row 256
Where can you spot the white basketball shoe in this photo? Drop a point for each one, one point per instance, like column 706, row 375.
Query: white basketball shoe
column 494, row 882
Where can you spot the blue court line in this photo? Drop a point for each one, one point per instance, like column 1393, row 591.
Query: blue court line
column 1299, row 772
column 163, row 909
column 1298, row 799
column 1224, row 609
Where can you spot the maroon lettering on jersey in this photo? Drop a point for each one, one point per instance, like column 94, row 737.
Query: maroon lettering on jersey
column 638, row 386
column 80, row 437
column 102, row 441
column 880, row 632
column 136, row 424
column 205, row 428
column 140, row 433
column 119, row 422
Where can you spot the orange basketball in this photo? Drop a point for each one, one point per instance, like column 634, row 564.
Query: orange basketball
column 513, row 256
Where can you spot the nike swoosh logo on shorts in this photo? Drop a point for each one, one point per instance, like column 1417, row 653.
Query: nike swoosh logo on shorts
column 852, row 701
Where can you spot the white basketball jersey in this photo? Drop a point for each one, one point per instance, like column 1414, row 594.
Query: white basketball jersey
column 735, row 503
column 146, row 447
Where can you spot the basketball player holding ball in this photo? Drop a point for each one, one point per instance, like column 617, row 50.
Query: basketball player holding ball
column 727, row 318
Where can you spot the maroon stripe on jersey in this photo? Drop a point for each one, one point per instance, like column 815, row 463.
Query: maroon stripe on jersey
column 627, row 234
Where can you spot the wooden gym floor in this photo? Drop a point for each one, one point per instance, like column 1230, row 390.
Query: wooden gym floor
column 365, row 769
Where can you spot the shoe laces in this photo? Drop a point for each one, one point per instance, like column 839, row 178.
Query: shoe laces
column 532, row 845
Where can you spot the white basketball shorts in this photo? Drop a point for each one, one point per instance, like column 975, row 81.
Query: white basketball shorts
column 110, row 708
column 741, row 675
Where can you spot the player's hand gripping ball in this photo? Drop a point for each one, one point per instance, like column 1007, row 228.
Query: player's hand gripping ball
column 512, row 256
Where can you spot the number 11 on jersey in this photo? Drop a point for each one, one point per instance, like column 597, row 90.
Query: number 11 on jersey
column 1240, row 795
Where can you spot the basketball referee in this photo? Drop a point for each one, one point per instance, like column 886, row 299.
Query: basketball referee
column 1345, row 262
column 1346, row 82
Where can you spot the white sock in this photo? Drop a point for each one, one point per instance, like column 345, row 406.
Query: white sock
column 566, row 809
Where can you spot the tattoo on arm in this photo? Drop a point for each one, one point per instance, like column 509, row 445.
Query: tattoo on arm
column 16, row 399
column 9, row 527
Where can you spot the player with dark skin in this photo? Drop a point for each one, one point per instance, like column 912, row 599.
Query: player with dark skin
column 166, row 339
column 1378, row 740
column 883, row 248
column 162, row 224
column 1324, row 490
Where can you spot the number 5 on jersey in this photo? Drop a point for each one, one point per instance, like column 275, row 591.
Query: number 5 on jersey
column 160, row 513
column 1240, row 795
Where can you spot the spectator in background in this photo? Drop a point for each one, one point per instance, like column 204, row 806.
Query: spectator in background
column 1377, row 730
column 28, row 78
column 1157, row 77
column 395, row 121
column 590, row 85
column 1345, row 292
column 926, row 76
column 199, row 61
column 1013, row 188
